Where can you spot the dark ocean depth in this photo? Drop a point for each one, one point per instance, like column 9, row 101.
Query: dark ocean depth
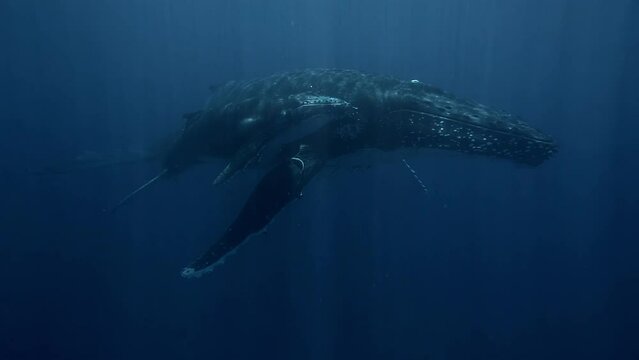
column 496, row 261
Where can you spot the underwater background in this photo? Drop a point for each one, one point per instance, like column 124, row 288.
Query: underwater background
column 497, row 261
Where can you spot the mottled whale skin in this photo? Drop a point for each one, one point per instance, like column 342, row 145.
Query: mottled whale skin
column 305, row 119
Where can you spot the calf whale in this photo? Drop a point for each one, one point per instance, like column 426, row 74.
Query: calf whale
column 295, row 123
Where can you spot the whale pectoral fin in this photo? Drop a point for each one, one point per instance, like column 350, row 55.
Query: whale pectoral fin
column 275, row 190
column 240, row 160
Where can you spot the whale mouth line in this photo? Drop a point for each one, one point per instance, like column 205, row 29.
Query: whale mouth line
column 478, row 126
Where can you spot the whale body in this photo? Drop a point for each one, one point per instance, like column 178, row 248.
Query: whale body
column 297, row 122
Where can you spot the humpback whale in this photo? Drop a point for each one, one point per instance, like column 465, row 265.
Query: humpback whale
column 295, row 123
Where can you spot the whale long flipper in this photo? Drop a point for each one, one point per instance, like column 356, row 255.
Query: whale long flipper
column 131, row 195
column 277, row 188
column 240, row 160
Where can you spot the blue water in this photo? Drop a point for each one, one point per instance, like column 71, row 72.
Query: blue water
column 498, row 261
